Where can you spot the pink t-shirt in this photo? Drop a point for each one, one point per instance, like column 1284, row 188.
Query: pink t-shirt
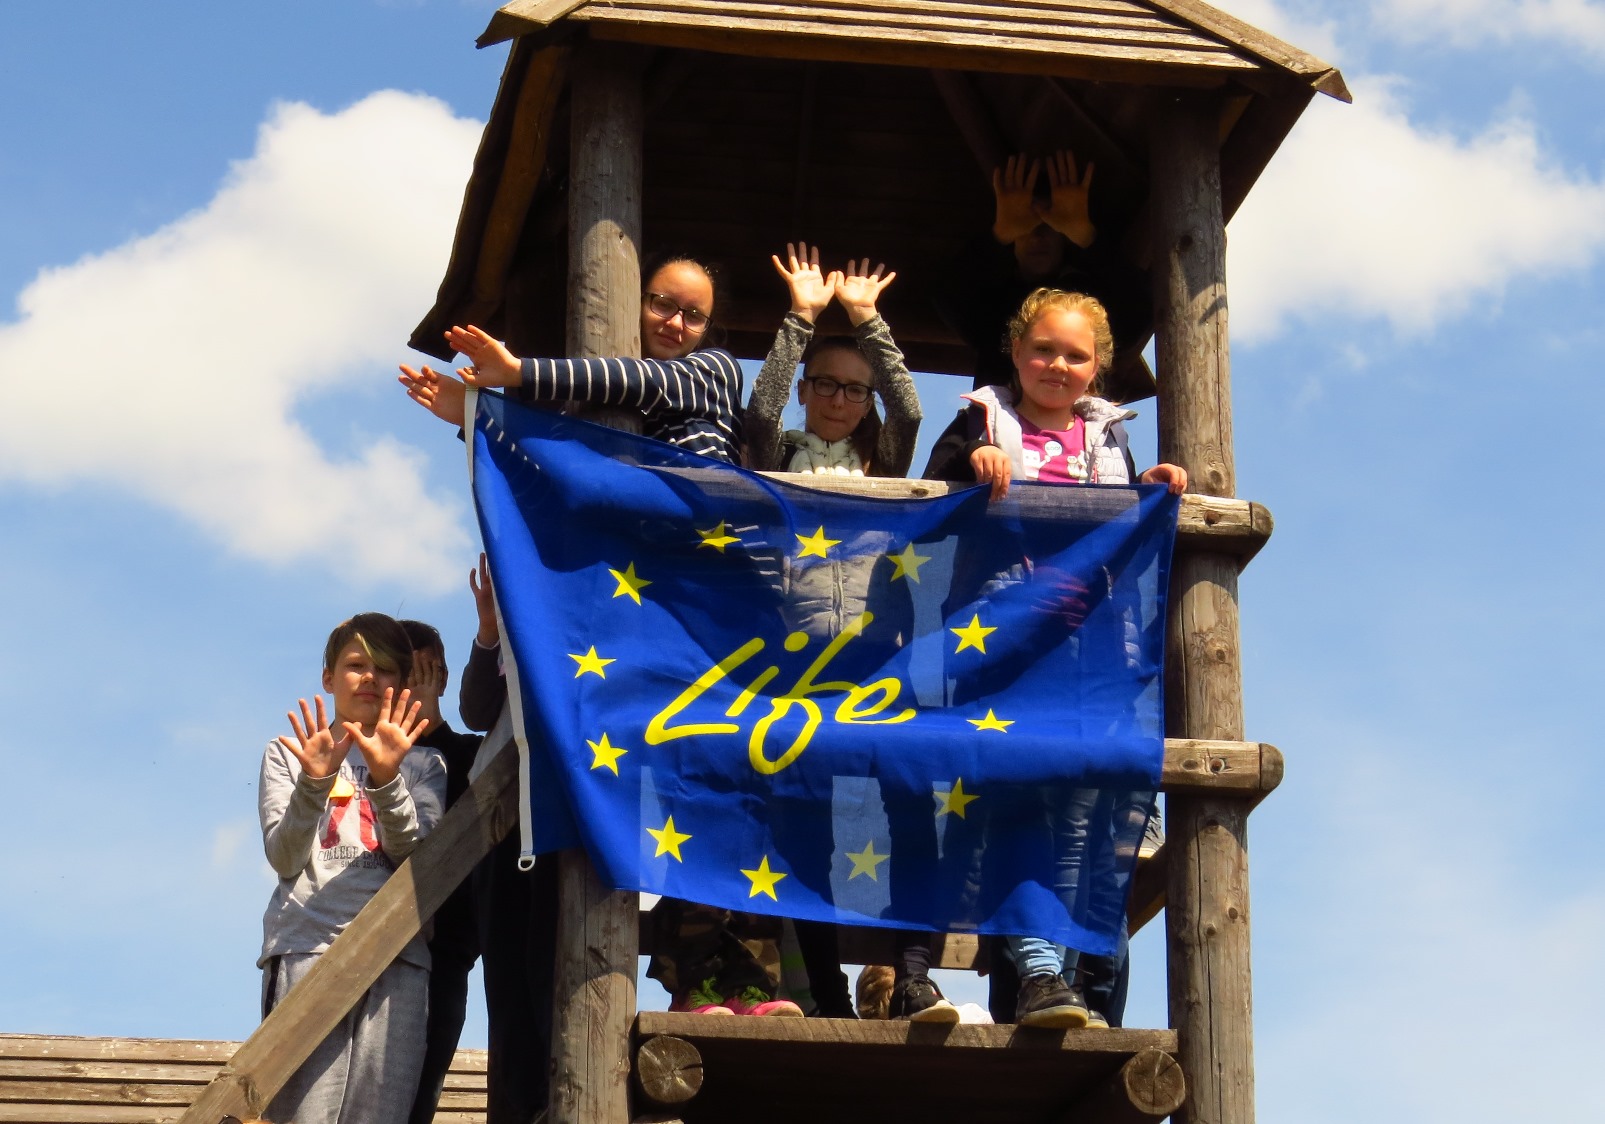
column 1057, row 456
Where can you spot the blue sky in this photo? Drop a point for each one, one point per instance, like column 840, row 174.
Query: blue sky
column 225, row 219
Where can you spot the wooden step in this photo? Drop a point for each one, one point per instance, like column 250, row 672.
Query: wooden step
column 54, row 1079
column 785, row 1070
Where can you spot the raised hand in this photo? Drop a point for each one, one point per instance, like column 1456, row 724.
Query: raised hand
column 488, row 635
column 427, row 683
column 810, row 289
column 1068, row 210
column 860, row 287
column 440, row 394
column 398, row 727
column 493, row 364
column 315, row 745
column 1014, row 187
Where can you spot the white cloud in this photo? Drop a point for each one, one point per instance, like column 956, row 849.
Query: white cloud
column 1575, row 24
column 1364, row 213
column 1427, row 930
column 171, row 367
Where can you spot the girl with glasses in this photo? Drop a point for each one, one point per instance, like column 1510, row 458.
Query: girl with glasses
column 842, row 433
column 688, row 395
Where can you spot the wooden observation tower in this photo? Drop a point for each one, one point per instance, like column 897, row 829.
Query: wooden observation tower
column 727, row 127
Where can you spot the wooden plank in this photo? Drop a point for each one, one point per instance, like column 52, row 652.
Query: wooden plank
column 98, row 1092
column 32, row 1113
column 1214, row 523
column 65, row 1047
column 1207, row 918
column 521, row 17
column 893, row 23
column 1092, row 63
column 382, row 929
column 888, row 1034
column 520, row 173
column 1132, row 46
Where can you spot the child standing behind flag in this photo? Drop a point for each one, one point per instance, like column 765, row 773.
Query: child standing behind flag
column 341, row 805
column 1049, row 427
column 844, row 435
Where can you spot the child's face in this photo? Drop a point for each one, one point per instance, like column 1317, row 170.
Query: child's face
column 358, row 686
column 832, row 417
column 1056, row 359
column 688, row 287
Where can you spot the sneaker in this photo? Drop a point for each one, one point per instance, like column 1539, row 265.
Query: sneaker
column 1153, row 836
column 1096, row 1021
column 702, row 1000
column 755, row 1001
column 918, row 1000
column 1047, row 1001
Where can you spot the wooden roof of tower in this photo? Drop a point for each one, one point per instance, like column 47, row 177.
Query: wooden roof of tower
column 867, row 126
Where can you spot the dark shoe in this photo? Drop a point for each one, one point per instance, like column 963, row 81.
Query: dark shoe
column 1047, row 1001
column 918, row 1000
column 1096, row 1021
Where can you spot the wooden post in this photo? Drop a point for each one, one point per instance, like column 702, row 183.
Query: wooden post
column 594, row 977
column 604, row 215
column 1207, row 893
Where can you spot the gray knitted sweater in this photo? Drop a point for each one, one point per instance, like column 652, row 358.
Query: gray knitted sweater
column 771, row 390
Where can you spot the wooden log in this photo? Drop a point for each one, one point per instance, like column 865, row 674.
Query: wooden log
column 604, row 227
column 1150, row 1086
column 520, row 174
column 1207, row 890
column 245, row 1085
column 594, row 975
column 668, row 1069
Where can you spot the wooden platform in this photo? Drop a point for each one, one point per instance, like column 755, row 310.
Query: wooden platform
column 59, row 1080
column 795, row 1070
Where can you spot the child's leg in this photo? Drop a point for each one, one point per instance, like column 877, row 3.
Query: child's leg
column 315, row 1091
column 387, row 1046
column 821, row 954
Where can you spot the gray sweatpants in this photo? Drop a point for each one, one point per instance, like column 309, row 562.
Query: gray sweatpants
column 366, row 1070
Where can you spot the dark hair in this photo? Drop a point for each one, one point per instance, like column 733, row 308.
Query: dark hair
column 867, row 434
column 381, row 637
column 423, row 637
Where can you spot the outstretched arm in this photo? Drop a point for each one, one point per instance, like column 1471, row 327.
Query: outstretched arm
column 771, row 390
column 298, row 774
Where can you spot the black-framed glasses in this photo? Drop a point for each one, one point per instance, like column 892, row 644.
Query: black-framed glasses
column 827, row 387
column 667, row 307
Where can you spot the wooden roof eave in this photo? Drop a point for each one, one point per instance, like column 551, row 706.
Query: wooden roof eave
column 1246, row 48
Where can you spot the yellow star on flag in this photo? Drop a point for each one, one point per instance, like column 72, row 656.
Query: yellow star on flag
column 907, row 564
column 605, row 755
column 716, row 538
column 763, row 879
column 956, row 800
column 865, row 862
column 669, row 840
column 991, row 722
column 629, row 585
column 591, row 662
column 973, row 635
column 816, row 545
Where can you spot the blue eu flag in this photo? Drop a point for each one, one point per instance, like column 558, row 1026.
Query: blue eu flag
column 935, row 713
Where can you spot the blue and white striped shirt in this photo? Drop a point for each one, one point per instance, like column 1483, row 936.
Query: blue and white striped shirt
column 692, row 403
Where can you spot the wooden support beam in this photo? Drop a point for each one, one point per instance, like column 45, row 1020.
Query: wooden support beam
column 973, row 120
column 1207, row 919
column 375, row 936
column 594, row 977
column 1206, row 523
column 1149, row 1087
column 668, row 1070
